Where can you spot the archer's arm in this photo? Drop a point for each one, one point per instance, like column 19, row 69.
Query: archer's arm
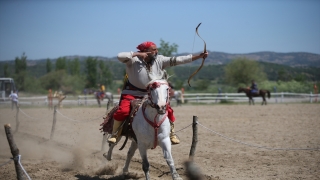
column 202, row 55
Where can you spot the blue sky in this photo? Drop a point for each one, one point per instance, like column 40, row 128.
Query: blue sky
column 52, row 29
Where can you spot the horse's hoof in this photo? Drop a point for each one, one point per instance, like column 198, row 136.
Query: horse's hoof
column 106, row 156
column 176, row 177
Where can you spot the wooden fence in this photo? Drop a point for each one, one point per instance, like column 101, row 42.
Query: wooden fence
column 207, row 98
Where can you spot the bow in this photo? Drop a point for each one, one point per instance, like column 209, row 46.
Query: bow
column 204, row 50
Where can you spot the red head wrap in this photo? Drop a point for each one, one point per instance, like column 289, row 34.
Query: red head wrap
column 145, row 45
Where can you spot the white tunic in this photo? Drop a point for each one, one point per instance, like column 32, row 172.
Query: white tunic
column 137, row 71
column 14, row 97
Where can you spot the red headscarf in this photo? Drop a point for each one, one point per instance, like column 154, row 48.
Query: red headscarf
column 145, row 45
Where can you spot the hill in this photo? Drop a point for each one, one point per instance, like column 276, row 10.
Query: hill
column 292, row 63
column 289, row 59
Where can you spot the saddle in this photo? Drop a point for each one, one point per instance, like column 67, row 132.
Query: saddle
column 127, row 130
column 254, row 92
column 101, row 96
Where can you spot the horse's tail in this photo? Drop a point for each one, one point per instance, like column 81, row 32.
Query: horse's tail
column 269, row 95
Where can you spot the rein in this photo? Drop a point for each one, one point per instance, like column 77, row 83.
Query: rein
column 154, row 123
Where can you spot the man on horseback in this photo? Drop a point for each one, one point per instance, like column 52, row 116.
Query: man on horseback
column 254, row 87
column 138, row 67
column 101, row 91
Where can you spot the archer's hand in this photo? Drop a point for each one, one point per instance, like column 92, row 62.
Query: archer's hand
column 204, row 55
column 142, row 55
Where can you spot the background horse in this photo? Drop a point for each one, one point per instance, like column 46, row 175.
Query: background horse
column 60, row 97
column 261, row 93
column 178, row 97
column 152, row 127
column 106, row 95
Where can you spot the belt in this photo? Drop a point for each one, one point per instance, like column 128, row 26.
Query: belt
column 131, row 87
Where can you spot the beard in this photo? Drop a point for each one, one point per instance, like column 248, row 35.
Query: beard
column 152, row 57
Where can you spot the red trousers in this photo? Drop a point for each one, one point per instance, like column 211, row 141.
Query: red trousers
column 124, row 108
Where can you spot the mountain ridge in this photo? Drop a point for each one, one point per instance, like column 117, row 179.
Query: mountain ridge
column 293, row 59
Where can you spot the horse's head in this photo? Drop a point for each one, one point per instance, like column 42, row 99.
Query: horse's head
column 240, row 89
column 158, row 95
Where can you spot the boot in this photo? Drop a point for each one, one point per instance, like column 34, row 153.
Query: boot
column 115, row 134
column 173, row 137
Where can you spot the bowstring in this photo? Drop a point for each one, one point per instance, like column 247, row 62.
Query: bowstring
column 194, row 39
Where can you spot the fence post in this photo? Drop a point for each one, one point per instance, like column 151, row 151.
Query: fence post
column 14, row 151
column 78, row 100
column 17, row 120
column 54, row 122
column 310, row 97
column 275, row 91
column 281, row 96
column 194, row 137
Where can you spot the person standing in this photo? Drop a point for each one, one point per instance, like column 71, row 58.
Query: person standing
column 14, row 99
column 315, row 92
column 138, row 67
column 50, row 99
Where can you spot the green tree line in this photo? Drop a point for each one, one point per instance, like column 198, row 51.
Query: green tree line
column 73, row 75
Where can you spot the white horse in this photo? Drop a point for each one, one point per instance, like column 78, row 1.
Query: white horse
column 152, row 127
column 107, row 95
column 178, row 97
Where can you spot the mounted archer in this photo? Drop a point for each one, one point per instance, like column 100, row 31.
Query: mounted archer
column 139, row 66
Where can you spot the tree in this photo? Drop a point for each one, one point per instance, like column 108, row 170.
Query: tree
column 6, row 70
column 21, row 64
column 74, row 67
column 242, row 71
column 284, row 75
column 166, row 49
column 104, row 74
column 48, row 65
column 61, row 64
column 91, row 72
column 20, row 71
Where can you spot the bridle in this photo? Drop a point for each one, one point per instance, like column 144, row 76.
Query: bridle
column 154, row 123
column 152, row 87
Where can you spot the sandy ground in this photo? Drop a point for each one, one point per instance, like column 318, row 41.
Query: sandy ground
column 277, row 141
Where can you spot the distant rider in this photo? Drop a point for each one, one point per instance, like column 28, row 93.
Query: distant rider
column 254, row 87
column 101, row 93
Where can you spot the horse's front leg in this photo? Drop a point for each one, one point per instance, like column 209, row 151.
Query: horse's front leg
column 145, row 162
column 98, row 100
column 264, row 101
column 252, row 100
column 130, row 154
column 165, row 144
column 108, row 104
column 108, row 155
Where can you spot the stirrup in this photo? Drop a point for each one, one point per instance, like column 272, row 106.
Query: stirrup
column 174, row 140
column 112, row 139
